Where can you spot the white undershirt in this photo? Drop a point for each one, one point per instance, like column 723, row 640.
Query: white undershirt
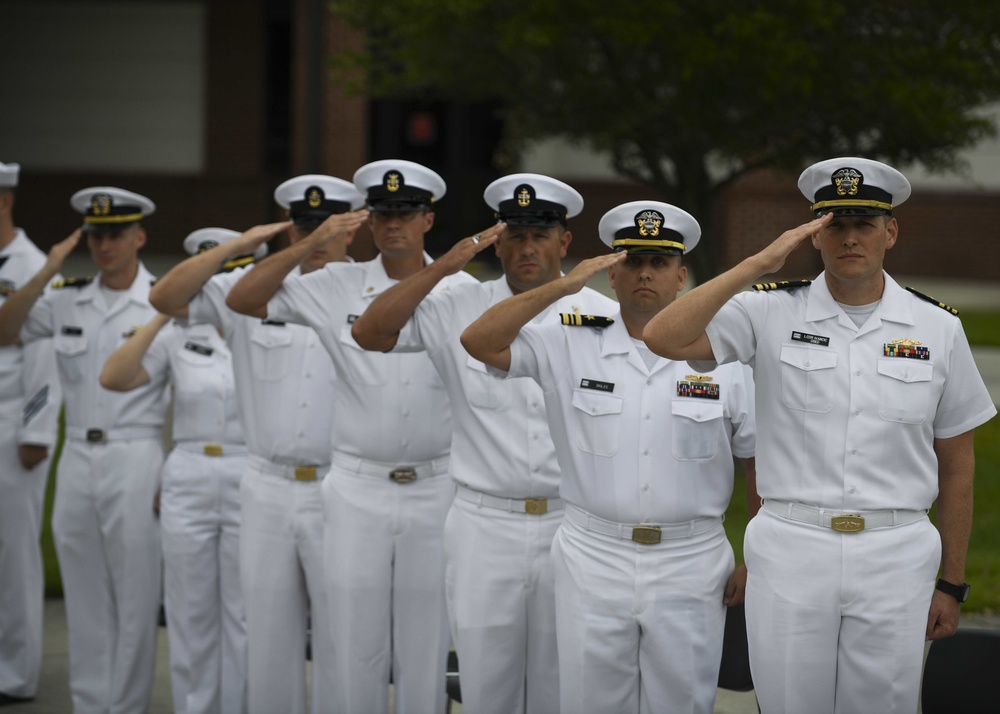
column 859, row 314
column 647, row 354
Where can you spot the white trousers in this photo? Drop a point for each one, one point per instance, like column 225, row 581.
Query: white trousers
column 639, row 626
column 22, row 578
column 281, row 564
column 200, row 522
column 501, row 603
column 107, row 539
column 836, row 621
column 384, row 553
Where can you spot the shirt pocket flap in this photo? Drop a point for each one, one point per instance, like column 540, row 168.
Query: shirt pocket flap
column 475, row 365
column 696, row 410
column 272, row 337
column 906, row 370
column 596, row 403
column 808, row 359
column 69, row 345
column 196, row 359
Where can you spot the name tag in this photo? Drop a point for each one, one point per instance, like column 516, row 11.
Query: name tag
column 274, row 323
column 811, row 339
column 200, row 349
column 595, row 384
column 71, row 330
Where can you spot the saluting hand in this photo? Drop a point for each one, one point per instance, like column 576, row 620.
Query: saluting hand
column 463, row 251
column 575, row 279
column 59, row 252
column 337, row 225
column 772, row 258
column 253, row 238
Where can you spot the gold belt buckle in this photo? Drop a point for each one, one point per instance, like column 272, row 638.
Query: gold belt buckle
column 647, row 535
column 305, row 473
column 848, row 523
column 536, row 506
column 404, row 474
column 213, row 449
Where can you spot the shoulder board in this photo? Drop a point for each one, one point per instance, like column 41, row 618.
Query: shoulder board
column 934, row 301
column 242, row 261
column 72, row 283
column 574, row 320
column 781, row 285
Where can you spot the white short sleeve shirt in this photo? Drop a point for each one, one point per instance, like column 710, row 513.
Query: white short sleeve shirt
column 851, row 414
column 30, row 394
column 85, row 332
column 637, row 445
column 390, row 407
column 501, row 443
column 285, row 381
column 198, row 363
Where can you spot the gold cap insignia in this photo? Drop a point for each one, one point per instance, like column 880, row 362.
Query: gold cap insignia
column 100, row 204
column 314, row 197
column 649, row 223
column 847, row 181
column 392, row 182
column 523, row 197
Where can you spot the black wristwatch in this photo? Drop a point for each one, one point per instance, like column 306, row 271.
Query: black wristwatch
column 959, row 592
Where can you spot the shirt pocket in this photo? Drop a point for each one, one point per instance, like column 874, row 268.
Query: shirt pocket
column 71, row 354
column 808, row 378
column 270, row 352
column 483, row 390
column 696, row 429
column 361, row 366
column 904, row 389
column 598, row 416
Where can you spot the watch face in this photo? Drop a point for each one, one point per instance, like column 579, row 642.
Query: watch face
column 963, row 593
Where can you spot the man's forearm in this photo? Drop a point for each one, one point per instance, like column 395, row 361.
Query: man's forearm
column 123, row 371
column 956, row 468
column 172, row 293
column 681, row 323
column 380, row 324
column 14, row 312
column 488, row 339
column 253, row 291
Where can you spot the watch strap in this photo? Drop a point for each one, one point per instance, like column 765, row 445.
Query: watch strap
column 959, row 592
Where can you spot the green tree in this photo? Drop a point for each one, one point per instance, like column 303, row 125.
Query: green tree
column 686, row 96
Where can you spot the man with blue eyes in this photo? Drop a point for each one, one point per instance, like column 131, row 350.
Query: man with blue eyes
column 507, row 508
column 643, row 570
column 868, row 400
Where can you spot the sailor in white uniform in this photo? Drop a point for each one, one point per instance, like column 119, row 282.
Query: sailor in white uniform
column 285, row 388
column 30, row 397
column 868, row 399
column 199, row 501
column 106, row 534
column 643, row 568
column 507, row 508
